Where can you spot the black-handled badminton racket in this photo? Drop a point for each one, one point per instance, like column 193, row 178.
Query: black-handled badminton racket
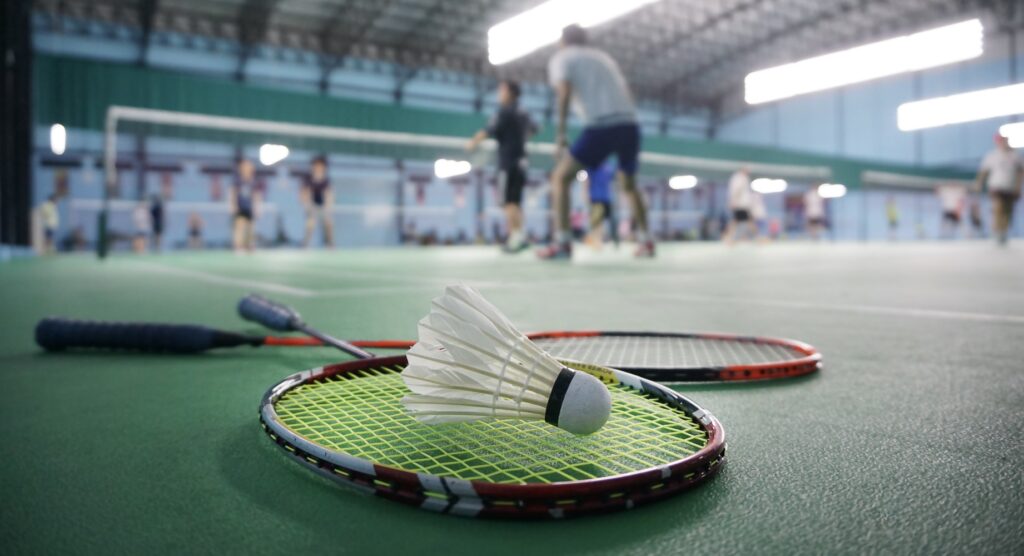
column 658, row 356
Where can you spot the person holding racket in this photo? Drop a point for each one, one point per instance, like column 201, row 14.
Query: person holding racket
column 511, row 127
column 593, row 82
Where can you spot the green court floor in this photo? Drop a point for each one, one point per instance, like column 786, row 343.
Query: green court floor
column 910, row 440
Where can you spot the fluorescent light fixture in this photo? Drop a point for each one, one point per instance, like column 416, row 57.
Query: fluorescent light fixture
column 1014, row 134
column 58, row 139
column 767, row 185
column 927, row 49
column 682, row 182
column 964, row 107
column 540, row 26
column 444, row 168
column 831, row 190
column 272, row 154
column 581, row 176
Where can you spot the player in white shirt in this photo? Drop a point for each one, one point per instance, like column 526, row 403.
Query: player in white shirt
column 143, row 226
column 741, row 201
column 952, row 197
column 814, row 212
column 1002, row 171
column 597, row 90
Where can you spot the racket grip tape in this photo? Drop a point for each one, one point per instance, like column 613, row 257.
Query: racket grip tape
column 270, row 314
column 55, row 334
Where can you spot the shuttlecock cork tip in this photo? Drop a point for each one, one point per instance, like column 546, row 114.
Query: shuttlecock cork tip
column 579, row 403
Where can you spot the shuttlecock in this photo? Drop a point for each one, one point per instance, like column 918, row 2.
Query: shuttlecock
column 471, row 363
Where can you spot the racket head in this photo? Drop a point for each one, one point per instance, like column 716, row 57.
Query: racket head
column 685, row 357
column 515, row 469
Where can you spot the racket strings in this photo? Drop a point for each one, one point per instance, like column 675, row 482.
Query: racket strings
column 363, row 417
column 666, row 352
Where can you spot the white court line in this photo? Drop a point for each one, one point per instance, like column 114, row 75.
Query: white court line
column 328, row 271
column 861, row 309
column 223, row 280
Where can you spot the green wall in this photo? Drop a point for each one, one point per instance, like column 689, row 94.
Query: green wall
column 77, row 92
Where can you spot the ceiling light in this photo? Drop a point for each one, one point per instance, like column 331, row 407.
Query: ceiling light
column 540, row 26
column 766, row 185
column 272, row 154
column 964, row 107
column 444, row 168
column 831, row 190
column 58, row 139
column 927, row 49
column 682, row 182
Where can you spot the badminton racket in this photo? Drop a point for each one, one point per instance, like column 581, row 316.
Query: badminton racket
column 345, row 422
column 658, row 356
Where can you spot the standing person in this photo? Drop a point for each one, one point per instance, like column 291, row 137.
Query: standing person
column 318, row 198
column 892, row 216
column 143, row 221
column 50, row 217
column 599, row 190
column 1002, row 171
column 195, row 231
column 245, row 206
column 594, row 83
column 952, row 199
column 740, row 202
column 814, row 212
column 511, row 127
column 156, row 216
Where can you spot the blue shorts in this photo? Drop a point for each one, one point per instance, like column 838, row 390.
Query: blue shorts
column 596, row 144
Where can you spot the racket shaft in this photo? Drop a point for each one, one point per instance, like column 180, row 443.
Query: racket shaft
column 55, row 334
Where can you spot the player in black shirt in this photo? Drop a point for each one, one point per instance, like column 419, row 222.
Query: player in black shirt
column 510, row 127
column 317, row 198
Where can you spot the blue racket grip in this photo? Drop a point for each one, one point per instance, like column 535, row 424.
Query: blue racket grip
column 56, row 334
column 271, row 314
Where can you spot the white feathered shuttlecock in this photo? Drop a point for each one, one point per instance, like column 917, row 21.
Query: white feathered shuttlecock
column 471, row 363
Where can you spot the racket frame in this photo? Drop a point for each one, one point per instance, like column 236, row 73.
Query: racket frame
column 808, row 362
column 493, row 500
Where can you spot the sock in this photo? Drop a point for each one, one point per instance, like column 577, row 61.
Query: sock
column 561, row 237
column 642, row 237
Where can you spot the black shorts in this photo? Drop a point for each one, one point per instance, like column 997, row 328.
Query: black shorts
column 244, row 214
column 950, row 216
column 513, row 178
column 740, row 215
column 816, row 221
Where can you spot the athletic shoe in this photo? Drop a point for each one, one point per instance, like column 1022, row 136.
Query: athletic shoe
column 555, row 251
column 645, row 250
column 512, row 249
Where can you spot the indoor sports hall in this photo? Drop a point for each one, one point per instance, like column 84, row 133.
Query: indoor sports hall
column 512, row 276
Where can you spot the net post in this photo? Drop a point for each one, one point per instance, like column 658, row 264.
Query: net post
column 110, row 180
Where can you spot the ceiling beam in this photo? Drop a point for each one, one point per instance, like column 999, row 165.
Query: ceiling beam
column 765, row 40
column 253, row 19
column 147, row 16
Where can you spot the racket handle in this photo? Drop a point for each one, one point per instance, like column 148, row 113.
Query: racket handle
column 55, row 334
column 270, row 314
